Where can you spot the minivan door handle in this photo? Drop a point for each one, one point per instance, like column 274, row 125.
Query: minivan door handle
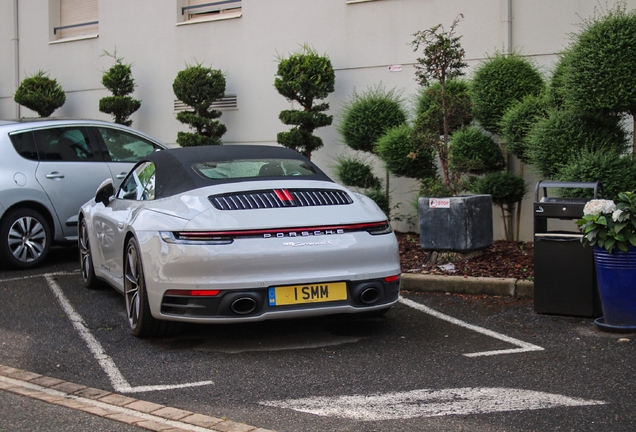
column 55, row 175
column 121, row 176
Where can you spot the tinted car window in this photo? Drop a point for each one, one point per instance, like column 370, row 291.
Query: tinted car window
column 66, row 144
column 246, row 168
column 140, row 183
column 125, row 147
column 24, row 145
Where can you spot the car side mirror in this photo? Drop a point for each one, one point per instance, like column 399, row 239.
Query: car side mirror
column 105, row 192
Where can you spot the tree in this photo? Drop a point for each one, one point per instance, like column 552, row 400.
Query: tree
column 120, row 82
column 518, row 120
column 557, row 140
column 366, row 116
column 506, row 190
column 303, row 78
column 498, row 83
column 439, row 115
column 443, row 61
column 40, row 93
column 602, row 60
column 198, row 87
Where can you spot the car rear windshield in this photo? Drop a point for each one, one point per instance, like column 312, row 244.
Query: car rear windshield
column 248, row 168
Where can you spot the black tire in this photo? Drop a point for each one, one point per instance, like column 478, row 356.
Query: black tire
column 87, row 269
column 142, row 323
column 25, row 238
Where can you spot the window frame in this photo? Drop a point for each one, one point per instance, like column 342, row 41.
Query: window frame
column 207, row 11
column 61, row 31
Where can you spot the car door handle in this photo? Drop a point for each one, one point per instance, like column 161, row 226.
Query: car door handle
column 55, row 175
column 121, row 176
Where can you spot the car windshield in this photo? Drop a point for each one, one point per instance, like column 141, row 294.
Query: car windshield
column 247, row 168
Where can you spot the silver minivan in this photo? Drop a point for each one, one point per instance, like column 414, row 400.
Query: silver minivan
column 48, row 169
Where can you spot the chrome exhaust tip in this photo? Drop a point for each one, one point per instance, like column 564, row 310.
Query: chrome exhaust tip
column 243, row 305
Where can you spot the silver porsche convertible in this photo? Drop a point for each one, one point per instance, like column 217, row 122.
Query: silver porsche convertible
column 236, row 233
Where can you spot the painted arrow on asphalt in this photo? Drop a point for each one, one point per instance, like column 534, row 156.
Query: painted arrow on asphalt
column 429, row 403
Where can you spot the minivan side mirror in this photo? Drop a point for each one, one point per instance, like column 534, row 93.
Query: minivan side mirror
column 105, row 192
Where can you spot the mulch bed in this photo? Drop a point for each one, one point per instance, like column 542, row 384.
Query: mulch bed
column 504, row 259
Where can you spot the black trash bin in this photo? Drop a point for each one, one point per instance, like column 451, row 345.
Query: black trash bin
column 564, row 272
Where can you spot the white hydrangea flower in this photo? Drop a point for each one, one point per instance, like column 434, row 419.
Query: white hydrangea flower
column 598, row 206
column 616, row 215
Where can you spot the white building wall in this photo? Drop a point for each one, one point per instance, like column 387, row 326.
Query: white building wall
column 361, row 39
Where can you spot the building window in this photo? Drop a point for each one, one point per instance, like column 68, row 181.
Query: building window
column 73, row 19
column 191, row 11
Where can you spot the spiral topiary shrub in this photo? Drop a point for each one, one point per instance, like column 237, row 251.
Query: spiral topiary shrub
column 120, row 82
column 304, row 77
column 198, row 87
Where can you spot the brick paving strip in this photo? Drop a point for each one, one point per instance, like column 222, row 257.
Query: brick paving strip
column 113, row 406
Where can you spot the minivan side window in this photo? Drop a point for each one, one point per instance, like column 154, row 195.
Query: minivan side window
column 64, row 144
column 24, row 145
column 125, row 147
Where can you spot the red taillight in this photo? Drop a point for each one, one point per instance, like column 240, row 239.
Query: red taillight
column 392, row 278
column 193, row 293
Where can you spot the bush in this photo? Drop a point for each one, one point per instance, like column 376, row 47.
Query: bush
column 517, row 122
column 380, row 198
column 351, row 171
column 558, row 139
column 434, row 187
column 404, row 158
column 198, row 87
column 498, row 82
column 602, row 60
column 429, row 100
column 303, row 78
column 40, row 94
column 616, row 171
column 556, row 91
column 367, row 116
column 120, row 82
column 506, row 190
column 474, row 152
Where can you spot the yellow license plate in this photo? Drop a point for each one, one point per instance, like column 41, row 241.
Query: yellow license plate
column 311, row 293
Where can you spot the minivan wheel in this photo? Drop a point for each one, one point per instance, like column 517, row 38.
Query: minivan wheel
column 25, row 238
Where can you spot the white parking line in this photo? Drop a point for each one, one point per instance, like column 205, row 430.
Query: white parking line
column 523, row 346
column 429, row 403
column 117, row 380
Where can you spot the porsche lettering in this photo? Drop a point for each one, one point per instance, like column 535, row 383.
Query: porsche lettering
column 303, row 233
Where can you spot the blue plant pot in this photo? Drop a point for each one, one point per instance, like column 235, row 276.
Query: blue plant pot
column 616, row 277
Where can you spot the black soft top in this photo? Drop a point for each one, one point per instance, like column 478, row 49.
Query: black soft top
column 174, row 173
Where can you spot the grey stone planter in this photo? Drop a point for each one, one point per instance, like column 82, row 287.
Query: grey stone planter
column 457, row 224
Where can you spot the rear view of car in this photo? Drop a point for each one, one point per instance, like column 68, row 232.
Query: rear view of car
column 237, row 233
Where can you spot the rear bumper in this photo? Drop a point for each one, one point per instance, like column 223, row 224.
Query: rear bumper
column 253, row 305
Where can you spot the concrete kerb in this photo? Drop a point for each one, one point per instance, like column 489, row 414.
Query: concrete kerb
column 468, row 285
column 113, row 406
